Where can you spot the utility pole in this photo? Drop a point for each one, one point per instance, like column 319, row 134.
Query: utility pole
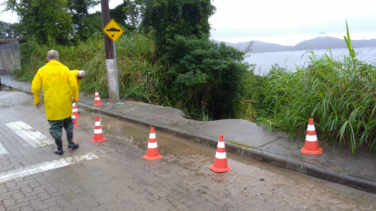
column 112, row 75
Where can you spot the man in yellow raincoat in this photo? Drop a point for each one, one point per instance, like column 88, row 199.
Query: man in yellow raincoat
column 59, row 87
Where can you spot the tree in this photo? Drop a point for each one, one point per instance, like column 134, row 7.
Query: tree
column 9, row 30
column 133, row 11
column 127, row 14
column 79, row 10
column 176, row 17
column 118, row 13
column 45, row 20
column 91, row 24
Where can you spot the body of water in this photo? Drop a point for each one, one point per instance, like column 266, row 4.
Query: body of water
column 291, row 59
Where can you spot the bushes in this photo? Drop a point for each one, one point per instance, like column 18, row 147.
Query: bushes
column 205, row 77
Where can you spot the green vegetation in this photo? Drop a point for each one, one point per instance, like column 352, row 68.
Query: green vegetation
column 43, row 19
column 9, row 30
column 210, row 90
column 135, row 56
column 178, row 17
column 81, row 18
column 338, row 94
column 88, row 109
column 66, row 22
column 242, row 145
column 205, row 76
column 184, row 69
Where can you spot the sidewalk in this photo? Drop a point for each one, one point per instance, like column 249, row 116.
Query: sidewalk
column 241, row 137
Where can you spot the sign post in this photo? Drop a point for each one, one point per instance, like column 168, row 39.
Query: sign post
column 114, row 31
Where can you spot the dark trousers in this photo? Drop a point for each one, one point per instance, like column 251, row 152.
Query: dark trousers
column 56, row 130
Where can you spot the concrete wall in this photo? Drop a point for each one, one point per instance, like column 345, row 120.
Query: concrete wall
column 10, row 58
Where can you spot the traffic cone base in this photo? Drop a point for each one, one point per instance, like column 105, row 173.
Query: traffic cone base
column 98, row 133
column 152, row 158
column 317, row 152
column 219, row 170
column 220, row 162
column 98, row 140
column 152, row 152
column 311, row 143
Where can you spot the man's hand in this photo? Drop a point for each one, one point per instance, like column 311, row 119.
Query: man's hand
column 39, row 105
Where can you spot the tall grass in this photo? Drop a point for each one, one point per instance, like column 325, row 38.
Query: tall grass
column 33, row 56
column 138, row 69
column 338, row 93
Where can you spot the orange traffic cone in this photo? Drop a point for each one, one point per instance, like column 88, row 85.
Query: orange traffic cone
column 98, row 134
column 74, row 120
column 220, row 162
column 97, row 99
column 152, row 152
column 75, row 110
column 311, row 144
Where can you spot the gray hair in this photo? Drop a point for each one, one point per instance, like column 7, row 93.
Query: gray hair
column 82, row 73
column 52, row 54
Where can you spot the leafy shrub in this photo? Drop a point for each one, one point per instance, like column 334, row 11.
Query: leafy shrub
column 205, row 76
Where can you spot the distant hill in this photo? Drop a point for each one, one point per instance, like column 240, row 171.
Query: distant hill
column 315, row 43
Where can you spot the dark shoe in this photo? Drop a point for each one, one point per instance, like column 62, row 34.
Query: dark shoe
column 59, row 152
column 73, row 146
column 59, row 144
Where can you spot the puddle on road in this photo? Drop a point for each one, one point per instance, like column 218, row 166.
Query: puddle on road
column 249, row 179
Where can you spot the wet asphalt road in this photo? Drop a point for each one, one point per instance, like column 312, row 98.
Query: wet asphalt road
column 120, row 179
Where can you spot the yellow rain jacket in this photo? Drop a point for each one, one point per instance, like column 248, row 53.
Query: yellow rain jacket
column 75, row 73
column 59, row 86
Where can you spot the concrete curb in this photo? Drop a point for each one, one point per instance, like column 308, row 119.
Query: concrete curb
column 254, row 154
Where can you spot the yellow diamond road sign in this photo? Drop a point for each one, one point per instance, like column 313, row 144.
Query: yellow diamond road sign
column 113, row 30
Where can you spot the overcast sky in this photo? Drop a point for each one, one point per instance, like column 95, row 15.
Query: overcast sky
column 285, row 22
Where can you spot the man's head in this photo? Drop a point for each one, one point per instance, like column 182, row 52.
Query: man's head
column 52, row 55
column 81, row 74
